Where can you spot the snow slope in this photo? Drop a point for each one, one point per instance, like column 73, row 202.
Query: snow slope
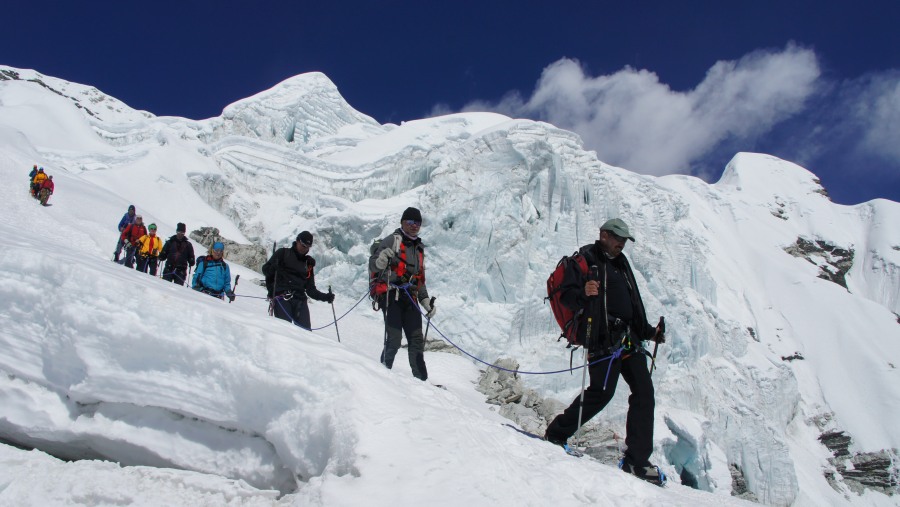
column 105, row 362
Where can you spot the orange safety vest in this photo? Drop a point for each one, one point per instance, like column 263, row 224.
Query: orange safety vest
column 380, row 287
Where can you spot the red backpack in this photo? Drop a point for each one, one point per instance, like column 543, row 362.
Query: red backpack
column 566, row 318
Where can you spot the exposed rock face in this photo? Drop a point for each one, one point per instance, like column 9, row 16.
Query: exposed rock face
column 739, row 484
column 860, row 471
column 834, row 262
column 252, row 256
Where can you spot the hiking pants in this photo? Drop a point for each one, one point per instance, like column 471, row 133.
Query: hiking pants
column 401, row 315
column 147, row 262
column 119, row 245
column 294, row 309
column 129, row 256
column 174, row 274
column 639, row 423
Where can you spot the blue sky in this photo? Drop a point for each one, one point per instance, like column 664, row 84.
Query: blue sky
column 655, row 87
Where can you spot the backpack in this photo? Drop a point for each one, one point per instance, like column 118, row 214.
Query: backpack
column 566, row 318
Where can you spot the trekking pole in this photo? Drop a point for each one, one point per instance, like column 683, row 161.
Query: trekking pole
column 236, row 278
column 333, row 314
column 660, row 329
column 428, row 326
column 588, row 334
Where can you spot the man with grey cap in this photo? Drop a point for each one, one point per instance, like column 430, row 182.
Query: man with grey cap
column 397, row 264
column 611, row 307
column 290, row 280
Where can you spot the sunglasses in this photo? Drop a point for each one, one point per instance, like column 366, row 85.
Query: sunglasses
column 413, row 223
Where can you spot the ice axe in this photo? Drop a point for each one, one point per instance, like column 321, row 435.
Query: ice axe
column 428, row 326
column 660, row 330
column 236, row 278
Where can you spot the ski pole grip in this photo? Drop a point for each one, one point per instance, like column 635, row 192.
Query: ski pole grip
column 662, row 325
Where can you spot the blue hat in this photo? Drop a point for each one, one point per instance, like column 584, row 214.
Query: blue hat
column 218, row 246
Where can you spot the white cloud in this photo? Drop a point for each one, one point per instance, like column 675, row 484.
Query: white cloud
column 633, row 120
column 878, row 110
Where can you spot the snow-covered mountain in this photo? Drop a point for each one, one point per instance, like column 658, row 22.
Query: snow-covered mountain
column 779, row 380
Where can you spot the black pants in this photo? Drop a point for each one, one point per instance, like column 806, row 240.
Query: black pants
column 129, row 256
column 292, row 309
column 402, row 315
column 174, row 274
column 147, row 262
column 641, row 404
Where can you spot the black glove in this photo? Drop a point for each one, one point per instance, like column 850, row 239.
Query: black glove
column 660, row 335
column 329, row 298
column 230, row 296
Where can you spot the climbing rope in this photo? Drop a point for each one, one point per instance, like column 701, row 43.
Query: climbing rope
column 617, row 353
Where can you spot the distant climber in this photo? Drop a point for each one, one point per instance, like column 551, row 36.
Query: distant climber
column 130, row 236
column 46, row 190
column 148, row 248
column 212, row 275
column 178, row 254
column 127, row 219
column 290, row 280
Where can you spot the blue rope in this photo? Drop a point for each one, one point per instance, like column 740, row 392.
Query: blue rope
column 612, row 356
column 616, row 354
column 278, row 300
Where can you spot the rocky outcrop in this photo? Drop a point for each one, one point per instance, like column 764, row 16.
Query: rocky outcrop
column 739, row 484
column 252, row 256
column 862, row 470
column 834, row 262
column 517, row 403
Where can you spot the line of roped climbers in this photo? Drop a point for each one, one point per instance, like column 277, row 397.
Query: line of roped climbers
column 610, row 317
column 40, row 184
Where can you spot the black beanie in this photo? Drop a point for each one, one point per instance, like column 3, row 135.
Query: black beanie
column 411, row 214
column 306, row 238
column 180, row 227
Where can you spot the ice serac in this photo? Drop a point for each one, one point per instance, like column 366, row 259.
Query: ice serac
column 296, row 112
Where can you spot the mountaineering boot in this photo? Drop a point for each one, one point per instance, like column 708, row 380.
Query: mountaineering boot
column 650, row 473
column 555, row 439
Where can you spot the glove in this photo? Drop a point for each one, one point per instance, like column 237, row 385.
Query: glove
column 429, row 310
column 329, row 298
column 384, row 258
column 660, row 335
column 127, row 244
column 230, row 296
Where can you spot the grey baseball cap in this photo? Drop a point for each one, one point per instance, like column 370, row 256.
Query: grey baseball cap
column 618, row 227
